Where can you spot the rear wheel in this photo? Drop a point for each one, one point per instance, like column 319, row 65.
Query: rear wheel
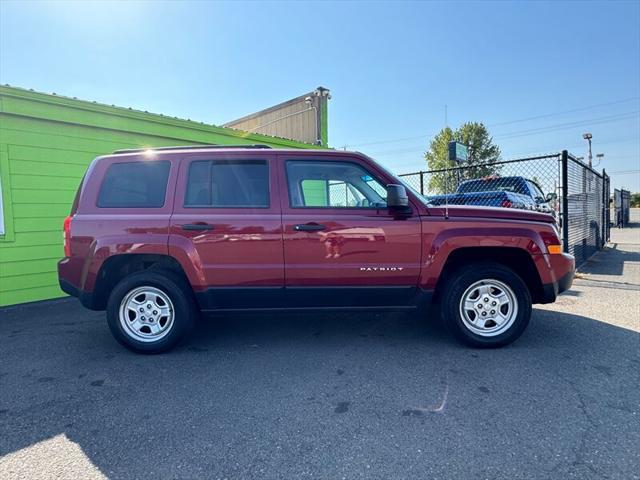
column 486, row 305
column 151, row 311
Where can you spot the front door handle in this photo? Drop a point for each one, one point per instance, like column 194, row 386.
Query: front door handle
column 198, row 227
column 309, row 227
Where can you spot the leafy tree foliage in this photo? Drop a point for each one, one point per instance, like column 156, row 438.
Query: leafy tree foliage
column 483, row 154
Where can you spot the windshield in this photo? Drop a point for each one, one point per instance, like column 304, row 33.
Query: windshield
column 506, row 184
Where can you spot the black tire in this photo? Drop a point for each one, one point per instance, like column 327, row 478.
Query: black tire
column 184, row 309
column 456, row 285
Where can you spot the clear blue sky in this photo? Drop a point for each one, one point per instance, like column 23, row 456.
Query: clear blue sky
column 391, row 67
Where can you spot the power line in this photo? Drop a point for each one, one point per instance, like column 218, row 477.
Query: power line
column 564, row 126
column 380, row 142
column 564, row 112
column 520, row 120
column 535, row 131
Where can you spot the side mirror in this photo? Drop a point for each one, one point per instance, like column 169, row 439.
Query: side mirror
column 551, row 196
column 397, row 196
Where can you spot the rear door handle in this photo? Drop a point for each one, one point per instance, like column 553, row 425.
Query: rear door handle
column 309, row 227
column 198, row 227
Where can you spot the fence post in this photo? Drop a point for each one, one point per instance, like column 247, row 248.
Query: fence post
column 565, row 201
column 421, row 183
column 605, row 205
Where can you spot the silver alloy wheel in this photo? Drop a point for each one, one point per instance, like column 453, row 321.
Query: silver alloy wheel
column 488, row 307
column 146, row 314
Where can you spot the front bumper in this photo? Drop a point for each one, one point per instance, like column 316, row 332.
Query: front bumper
column 550, row 291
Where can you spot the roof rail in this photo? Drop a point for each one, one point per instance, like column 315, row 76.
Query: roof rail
column 188, row 147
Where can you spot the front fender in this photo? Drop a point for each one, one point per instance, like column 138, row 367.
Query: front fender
column 440, row 245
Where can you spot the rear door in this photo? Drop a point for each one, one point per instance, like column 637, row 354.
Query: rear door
column 226, row 222
column 342, row 245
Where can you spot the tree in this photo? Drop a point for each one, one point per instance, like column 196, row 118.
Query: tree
column 635, row 200
column 483, row 154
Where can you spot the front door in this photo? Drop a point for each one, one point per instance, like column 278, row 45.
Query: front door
column 227, row 221
column 342, row 245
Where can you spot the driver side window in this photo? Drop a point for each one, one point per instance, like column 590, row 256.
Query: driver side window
column 320, row 184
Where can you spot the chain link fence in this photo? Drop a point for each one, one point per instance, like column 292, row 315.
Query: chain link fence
column 557, row 184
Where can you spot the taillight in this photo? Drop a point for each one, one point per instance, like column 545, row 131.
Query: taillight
column 507, row 204
column 67, row 236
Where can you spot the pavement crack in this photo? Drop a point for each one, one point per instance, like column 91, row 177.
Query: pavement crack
column 579, row 450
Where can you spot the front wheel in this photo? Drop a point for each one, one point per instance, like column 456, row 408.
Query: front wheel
column 151, row 311
column 486, row 305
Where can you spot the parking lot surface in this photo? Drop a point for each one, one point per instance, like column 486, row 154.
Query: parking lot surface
column 332, row 395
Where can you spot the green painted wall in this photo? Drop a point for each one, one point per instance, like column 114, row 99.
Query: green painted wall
column 46, row 144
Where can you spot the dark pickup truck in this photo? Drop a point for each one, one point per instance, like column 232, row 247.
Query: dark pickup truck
column 507, row 192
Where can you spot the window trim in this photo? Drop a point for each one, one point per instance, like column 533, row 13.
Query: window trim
column 211, row 161
column 330, row 207
column 155, row 207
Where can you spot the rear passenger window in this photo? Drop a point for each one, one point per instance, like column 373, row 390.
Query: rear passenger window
column 134, row 185
column 228, row 184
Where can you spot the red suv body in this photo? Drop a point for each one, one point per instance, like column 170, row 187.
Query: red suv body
column 179, row 231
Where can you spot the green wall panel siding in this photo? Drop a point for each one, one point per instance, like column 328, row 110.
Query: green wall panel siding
column 36, row 224
column 46, row 144
column 51, row 169
column 43, row 154
column 42, row 196
column 24, row 281
column 34, row 252
column 27, row 182
column 12, row 269
column 32, row 294
column 31, row 239
column 24, row 210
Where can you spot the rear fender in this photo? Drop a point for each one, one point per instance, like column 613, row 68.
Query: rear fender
column 106, row 247
column 182, row 249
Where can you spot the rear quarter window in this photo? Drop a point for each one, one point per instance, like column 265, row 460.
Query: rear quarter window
column 134, row 185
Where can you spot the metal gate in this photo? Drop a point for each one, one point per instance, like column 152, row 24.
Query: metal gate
column 621, row 207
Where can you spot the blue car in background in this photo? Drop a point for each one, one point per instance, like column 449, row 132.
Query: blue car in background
column 507, row 192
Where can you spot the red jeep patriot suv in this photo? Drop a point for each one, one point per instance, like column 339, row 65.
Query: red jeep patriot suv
column 157, row 236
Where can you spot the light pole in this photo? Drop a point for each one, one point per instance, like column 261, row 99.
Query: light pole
column 599, row 156
column 588, row 137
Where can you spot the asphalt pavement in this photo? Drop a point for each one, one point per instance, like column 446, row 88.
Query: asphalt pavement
column 331, row 396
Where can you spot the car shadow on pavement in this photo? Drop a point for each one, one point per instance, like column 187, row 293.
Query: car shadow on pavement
column 323, row 395
column 609, row 261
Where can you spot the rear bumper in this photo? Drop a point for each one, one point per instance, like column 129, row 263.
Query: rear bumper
column 550, row 291
column 86, row 298
column 67, row 288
